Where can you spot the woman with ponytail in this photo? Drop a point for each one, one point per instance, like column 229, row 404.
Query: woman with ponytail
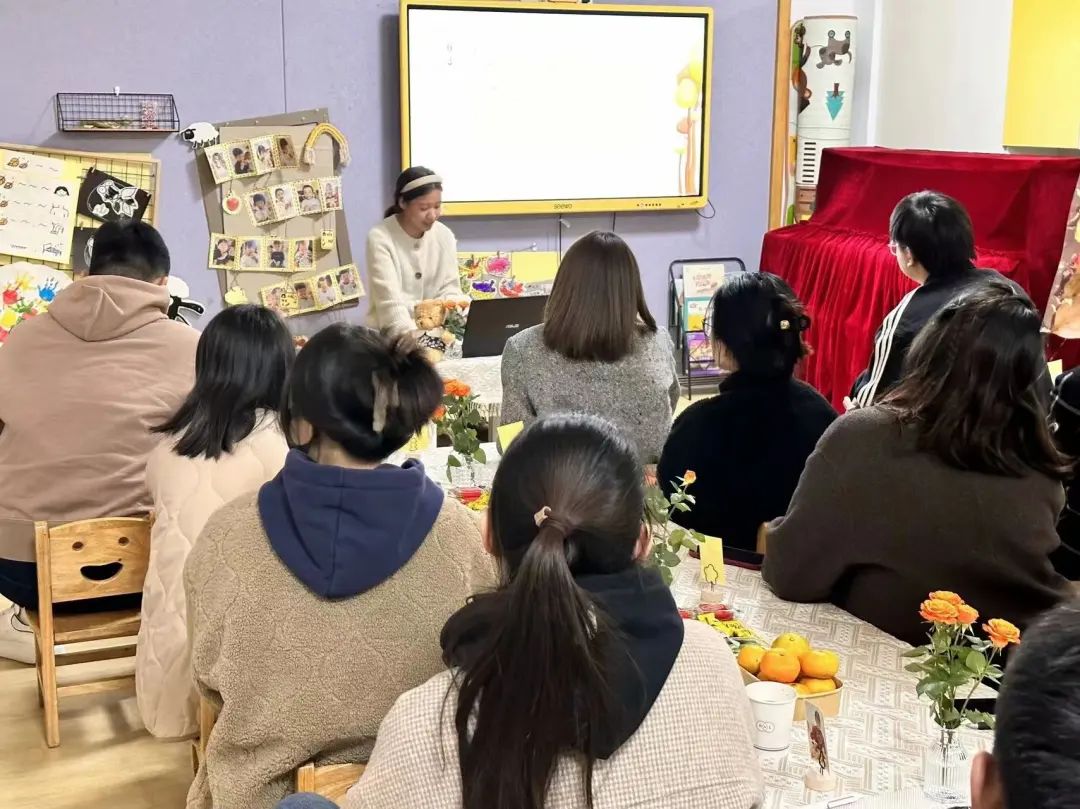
column 576, row 683
column 411, row 255
column 748, row 444
column 317, row 601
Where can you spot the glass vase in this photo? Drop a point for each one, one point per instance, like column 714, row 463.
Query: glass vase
column 463, row 476
column 946, row 770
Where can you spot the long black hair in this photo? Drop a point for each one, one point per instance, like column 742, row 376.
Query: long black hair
column 406, row 177
column 243, row 357
column 757, row 318
column 971, row 386
column 537, row 676
column 365, row 392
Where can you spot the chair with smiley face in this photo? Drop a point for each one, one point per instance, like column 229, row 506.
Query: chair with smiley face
column 77, row 561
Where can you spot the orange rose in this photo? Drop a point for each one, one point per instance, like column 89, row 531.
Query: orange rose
column 454, row 387
column 966, row 615
column 689, row 476
column 440, row 413
column 947, row 595
column 936, row 611
column 1001, row 632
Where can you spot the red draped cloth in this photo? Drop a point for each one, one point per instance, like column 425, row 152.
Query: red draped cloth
column 839, row 263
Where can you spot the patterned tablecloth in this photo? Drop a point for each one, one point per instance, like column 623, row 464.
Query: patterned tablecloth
column 877, row 741
column 483, row 375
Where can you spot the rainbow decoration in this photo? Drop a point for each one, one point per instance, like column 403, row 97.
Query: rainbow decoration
column 308, row 154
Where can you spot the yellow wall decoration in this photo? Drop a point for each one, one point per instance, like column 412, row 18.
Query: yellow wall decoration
column 1042, row 105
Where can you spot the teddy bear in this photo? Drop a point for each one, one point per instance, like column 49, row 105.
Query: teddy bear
column 430, row 317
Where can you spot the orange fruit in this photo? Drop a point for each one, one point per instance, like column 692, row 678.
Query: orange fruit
column 820, row 664
column 750, row 658
column 779, row 666
column 802, row 690
column 792, row 642
column 818, row 686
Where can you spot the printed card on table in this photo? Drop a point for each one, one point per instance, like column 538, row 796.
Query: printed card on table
column 712, row 561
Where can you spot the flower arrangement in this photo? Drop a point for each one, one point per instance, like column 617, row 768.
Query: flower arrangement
column 458, row 419
column 456, row 315
column 957, row 659
column 659, row 509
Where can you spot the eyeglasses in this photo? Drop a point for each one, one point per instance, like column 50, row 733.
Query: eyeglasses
column 894, row 248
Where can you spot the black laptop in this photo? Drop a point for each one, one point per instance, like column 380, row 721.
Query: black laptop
column 492, row 322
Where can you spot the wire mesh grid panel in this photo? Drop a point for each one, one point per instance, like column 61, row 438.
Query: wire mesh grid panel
column 139, row 170
column 116, row 112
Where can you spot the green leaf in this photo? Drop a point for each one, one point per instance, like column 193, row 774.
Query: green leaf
column 979, row 718
column 676, row 536
column 976, row 662
column 453, row 460
column 918, row 651
column 668, row 558
column 682, row 507
column 915, row 668
column 480, row 455
column 665, row 573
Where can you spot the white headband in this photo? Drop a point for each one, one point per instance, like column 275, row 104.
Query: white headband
column 427, row 179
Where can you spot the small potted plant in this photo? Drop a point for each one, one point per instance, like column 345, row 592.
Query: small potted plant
column 954, row 662
column 668, row 540
column 458, row 418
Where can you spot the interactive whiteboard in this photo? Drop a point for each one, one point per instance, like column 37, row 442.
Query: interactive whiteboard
column 538, row 107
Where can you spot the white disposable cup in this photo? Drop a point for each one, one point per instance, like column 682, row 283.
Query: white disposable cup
column 773, row 705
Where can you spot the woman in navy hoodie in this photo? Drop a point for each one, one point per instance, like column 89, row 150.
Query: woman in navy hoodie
column 316, row 602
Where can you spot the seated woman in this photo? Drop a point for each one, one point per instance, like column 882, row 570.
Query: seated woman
column 952, row 482
column 315, row 603
column 576, row 682
column 748, row 445
column 222, row 442
column 598, row 350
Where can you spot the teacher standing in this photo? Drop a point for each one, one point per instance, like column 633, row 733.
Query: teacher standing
column 411, row 255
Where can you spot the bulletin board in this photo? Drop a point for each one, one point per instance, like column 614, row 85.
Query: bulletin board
column 325, row 164
column 138, row 169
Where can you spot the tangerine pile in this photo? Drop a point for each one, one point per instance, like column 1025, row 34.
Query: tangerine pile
column 791, row 660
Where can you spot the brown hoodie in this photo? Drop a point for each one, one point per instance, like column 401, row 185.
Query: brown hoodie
column 80, row 388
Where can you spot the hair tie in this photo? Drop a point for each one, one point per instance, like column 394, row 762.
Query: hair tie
column 785, row 325
column 386, row 396
column 542, row 516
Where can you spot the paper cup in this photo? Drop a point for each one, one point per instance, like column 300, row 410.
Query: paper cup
column 773, row 705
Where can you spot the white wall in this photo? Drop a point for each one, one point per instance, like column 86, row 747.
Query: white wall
column 939, row 74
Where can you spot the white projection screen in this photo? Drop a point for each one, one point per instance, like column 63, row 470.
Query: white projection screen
column 542, row 107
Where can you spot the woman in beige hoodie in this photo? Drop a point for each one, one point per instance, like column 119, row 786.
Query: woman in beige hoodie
column 223, row 441
column 317, row 602
column 576, row 683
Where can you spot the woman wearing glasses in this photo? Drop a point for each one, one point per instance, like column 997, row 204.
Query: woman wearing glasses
column 932, row 239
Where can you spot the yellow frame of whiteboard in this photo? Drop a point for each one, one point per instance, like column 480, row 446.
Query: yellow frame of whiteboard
column 566, row 206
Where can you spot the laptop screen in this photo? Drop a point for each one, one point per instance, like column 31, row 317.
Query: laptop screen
column 492, row 322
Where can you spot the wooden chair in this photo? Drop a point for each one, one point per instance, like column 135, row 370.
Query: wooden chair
column 331, row 781
column 75, row 562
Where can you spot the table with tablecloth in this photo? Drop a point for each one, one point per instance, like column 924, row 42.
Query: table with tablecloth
column 877, row 741
column 483, row 375
column 839, row 263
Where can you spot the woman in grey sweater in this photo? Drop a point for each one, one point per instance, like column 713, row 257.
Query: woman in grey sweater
column 598, row 351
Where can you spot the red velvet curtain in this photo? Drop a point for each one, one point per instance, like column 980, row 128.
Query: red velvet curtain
column 839, row 264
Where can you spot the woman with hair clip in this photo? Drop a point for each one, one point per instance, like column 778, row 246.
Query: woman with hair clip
column 317, row 601
column 223, row 441
column 598, row 350
column 748, row 444
column 952, row 482
column 411, row 255
column 576, row 683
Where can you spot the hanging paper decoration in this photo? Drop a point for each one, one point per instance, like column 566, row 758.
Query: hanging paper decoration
column 179, row 291
column 308, row 155
column 26, row 290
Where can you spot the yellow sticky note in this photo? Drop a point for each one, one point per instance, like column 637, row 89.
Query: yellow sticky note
column 531, row 267
column 1056, row 367
column 421, row 441
column 508, row 432
column 712, row 561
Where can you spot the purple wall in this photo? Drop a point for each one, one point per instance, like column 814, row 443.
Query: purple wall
column 228, row 60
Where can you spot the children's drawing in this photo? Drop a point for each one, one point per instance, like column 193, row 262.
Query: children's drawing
column 37, row 207
column 482, row 290
column 510, row 288
column 498, row 265
column 26, row 290
column 110, row 199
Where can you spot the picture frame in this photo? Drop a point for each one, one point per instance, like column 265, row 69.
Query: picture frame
column 330, row 189
column 347, row 278
column 218, row 159
column 280, row 298
column 263, row 154
column 285, row 201
column 277, row 253
column 326, row 290
column 301, row 254
column 223, row 252
column 260, row 207
column 250, row 254
column 286, row 152
column 308, row 192
column 305, row 295
column 239, row 153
